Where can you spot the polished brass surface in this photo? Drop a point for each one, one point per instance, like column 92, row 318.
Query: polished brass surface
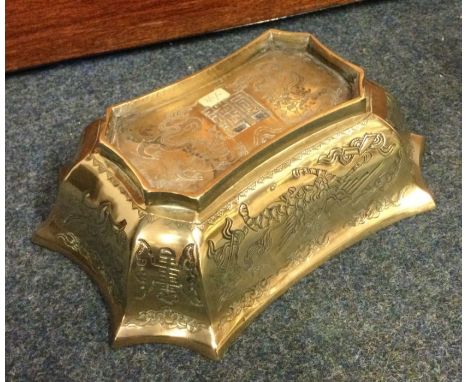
column 195, row 206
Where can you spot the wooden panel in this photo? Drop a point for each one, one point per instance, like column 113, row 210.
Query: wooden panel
column 45, row 31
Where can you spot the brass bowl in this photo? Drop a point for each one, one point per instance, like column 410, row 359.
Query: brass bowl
column 195, row 206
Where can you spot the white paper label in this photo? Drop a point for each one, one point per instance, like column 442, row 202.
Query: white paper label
column 213, row 98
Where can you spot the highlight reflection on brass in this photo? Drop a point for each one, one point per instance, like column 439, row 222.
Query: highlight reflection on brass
column 195, row 206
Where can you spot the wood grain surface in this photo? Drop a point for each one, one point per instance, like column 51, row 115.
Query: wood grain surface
column 44, row 31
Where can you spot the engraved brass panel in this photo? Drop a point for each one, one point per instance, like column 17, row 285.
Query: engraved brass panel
column 197, row 205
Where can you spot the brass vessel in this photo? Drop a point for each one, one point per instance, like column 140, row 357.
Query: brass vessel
column 195, row 206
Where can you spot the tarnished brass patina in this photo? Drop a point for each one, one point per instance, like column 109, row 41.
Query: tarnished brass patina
column 195, row 206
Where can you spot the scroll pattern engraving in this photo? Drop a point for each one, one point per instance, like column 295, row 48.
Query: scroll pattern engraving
column 90, row 231
column 168, row 319
column 70, row 240
column 375, row 208
column 73, row 242
column 358, row 146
